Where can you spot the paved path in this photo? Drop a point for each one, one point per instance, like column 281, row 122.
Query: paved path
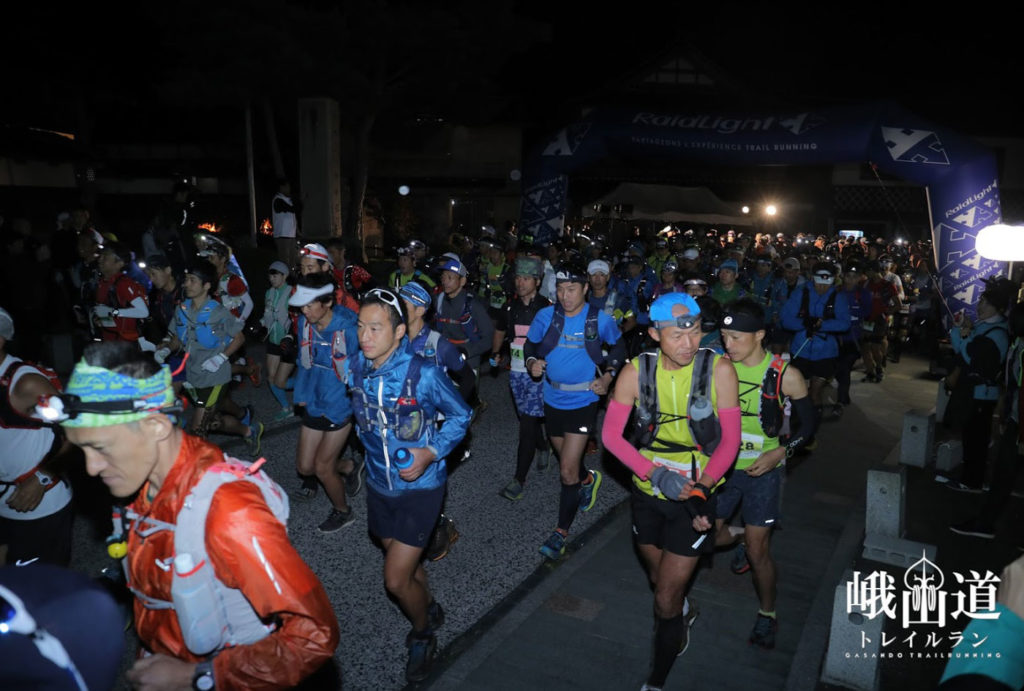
column 515, row 622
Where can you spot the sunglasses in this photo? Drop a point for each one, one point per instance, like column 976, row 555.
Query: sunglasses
column 387, row 297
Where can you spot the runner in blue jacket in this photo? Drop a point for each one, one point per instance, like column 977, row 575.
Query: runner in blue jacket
column 396, row 396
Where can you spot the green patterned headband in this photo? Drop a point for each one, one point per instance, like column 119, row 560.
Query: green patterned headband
column 93, row 384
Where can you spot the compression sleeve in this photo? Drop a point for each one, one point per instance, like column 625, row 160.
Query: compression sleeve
column 611, row 435
column 804, row 411
column 136, row 310
column 729, row 446
column 247, row 305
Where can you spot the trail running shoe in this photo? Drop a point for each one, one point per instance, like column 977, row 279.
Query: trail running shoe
column 307, row 491
column 764, row 632
column 542, row 458
column 256, row 375
column 336, row 520
column 282, row 415
column 513, row 491
column 354, row 477
column 435, row 620
column 554, row 547
column 421, row 657
column 253, row 440
column 444, row 536
column 739, row 564
column 588, row 493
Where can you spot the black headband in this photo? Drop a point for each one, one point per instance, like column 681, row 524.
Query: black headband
column 746, row 323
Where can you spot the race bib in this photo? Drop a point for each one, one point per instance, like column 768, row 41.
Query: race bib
column 518, row 363
column 750, row 445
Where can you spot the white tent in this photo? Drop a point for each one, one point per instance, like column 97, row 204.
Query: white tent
column 670, row 204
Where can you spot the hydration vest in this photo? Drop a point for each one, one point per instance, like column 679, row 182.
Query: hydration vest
column 339, row 351
column 701, row 420
column 204, row 334
column 211, row 615
column 829, row 312
column 770, row 409
column 591, row 336
column 465, row 320
column 406, row 418
column 429, row 351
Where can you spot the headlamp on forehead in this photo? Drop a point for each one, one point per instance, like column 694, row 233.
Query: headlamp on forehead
column 823, row 277
column 687, row 321
column 64, row 406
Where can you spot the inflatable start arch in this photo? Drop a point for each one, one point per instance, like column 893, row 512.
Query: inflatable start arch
column 959, row 175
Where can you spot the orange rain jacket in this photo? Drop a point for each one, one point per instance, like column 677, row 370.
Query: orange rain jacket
column 307, row 632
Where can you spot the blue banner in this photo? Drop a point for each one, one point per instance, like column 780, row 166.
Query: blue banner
column 960, row 175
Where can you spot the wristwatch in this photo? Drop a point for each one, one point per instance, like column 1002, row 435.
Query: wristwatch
column 202, row 680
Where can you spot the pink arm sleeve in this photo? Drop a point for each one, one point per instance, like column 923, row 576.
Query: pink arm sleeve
column 725, row 453
column 611, row 435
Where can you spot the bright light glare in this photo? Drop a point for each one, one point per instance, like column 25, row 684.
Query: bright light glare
column 745, row 209
column 771, row 210
column 403, row 190
column 1001, row 242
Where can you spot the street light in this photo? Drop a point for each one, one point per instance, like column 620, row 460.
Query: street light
column 1001, row 242
column 771, row 210
column 745, row 209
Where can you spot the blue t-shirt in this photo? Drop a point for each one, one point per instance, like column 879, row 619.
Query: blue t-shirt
column 569, row 363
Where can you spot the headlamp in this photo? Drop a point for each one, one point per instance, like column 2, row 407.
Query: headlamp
column 64, row 406
column 684, row 322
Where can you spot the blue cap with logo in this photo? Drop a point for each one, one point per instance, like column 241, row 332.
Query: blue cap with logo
column 729, row 264
column 415, row 293
column 453, row 265
column 675, row 309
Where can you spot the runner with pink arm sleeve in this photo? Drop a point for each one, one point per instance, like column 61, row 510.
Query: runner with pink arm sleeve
column 674, row 472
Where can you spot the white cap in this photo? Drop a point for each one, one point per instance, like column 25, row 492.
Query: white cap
column 691, row 253
column 304, row 295
column 598, row 266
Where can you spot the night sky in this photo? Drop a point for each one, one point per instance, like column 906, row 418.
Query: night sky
column 955, row 66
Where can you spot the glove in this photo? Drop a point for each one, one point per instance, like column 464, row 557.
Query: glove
column 213, row 364
column 493, row 361
column 696, row 503
column 161, row 355
column 101, row 311
column 668, row 483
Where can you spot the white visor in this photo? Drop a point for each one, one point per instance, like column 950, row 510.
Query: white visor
column 304, row 295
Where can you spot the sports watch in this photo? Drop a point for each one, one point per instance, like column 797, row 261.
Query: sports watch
column 202, row 679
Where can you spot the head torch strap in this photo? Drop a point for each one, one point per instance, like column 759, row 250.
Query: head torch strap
column 685, row 322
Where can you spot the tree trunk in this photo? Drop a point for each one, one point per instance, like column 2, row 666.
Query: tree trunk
column 275, row 149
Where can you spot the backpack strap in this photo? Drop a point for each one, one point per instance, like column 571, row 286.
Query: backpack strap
column 554, row 332
column 213, row 616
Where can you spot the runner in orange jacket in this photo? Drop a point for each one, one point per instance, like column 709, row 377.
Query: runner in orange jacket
column 141, row 450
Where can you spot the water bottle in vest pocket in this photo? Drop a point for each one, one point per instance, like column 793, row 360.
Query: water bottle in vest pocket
column 199, row 613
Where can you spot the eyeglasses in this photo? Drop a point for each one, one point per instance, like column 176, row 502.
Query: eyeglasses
column 387, row 297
